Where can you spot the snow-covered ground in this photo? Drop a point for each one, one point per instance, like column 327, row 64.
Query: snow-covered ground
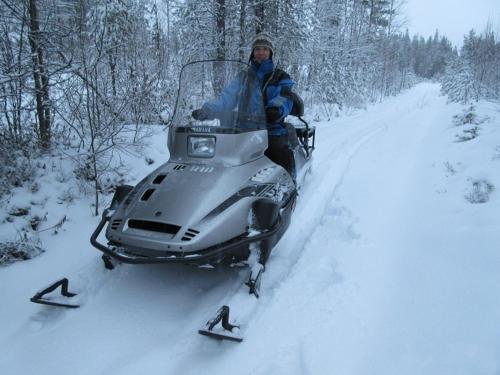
column 390, row 266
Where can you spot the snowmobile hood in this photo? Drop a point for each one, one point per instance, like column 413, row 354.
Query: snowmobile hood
column 180, row 197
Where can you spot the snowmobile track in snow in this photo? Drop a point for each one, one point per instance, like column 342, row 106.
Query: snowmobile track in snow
column 243, row 306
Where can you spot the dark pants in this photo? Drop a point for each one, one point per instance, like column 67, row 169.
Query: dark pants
column 279, row 152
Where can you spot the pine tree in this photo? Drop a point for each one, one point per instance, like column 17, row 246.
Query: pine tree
column 458, row 82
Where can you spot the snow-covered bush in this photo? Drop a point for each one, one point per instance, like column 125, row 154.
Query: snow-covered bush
column 480, row 192
column 67, row 196
column 35, row 221
column 19, row 211
column 102, row 175
column 468, row 117
column 16, row 168
column 22, row 249
column 468, row 134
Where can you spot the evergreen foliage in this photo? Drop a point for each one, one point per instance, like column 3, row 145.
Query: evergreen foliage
column 475, row 73
column 458, row 82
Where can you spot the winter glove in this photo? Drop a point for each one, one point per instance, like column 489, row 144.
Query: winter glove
column 273, row 114
column 202, row 114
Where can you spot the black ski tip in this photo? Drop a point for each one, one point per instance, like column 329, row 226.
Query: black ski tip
column 108, row 264
column 63, row 285
column 220, row 336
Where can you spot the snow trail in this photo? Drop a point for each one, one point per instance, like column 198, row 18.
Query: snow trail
column 308, row 246
column 361, row 283
column 331, row 164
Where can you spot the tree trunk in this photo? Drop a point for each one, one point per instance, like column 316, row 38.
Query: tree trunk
column 112, row 70
column 220, row 13
column 221, row 28
column 40, row 78
column 243, row 14
column 259, row 16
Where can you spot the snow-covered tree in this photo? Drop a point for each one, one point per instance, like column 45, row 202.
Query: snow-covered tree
column 458, row 82
column 475, row 73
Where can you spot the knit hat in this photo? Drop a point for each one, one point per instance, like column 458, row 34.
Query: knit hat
column 262, row 40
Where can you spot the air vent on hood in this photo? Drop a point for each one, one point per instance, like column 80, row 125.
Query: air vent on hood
column 179, row 167
column 190, row 234
column 147, row 194
column 135, row 191
column 154, row 226
column 115, row 224
column 159, row 179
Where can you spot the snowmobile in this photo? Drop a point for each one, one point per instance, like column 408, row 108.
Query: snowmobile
column 218, row 198
column 218, row 193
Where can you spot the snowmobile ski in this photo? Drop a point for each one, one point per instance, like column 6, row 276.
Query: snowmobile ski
column 254, row 279
column 220, row 335
column 108, row 263
column 63, row 283
column 222, row 317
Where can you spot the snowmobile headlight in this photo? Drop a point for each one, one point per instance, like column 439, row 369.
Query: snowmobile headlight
column 201, row 147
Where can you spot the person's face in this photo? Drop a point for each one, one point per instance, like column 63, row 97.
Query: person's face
column 261, row 53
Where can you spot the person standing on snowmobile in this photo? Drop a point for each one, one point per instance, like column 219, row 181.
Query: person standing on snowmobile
column 274, row 85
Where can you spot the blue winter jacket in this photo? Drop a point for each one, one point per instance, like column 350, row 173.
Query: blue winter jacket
column 265, row 83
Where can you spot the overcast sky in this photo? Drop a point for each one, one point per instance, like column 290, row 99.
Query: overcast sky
column 453, row 18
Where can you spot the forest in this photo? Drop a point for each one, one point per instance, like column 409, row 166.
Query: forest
column 88, row 75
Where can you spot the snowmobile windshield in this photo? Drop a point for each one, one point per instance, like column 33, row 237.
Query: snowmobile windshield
column 219, row 97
